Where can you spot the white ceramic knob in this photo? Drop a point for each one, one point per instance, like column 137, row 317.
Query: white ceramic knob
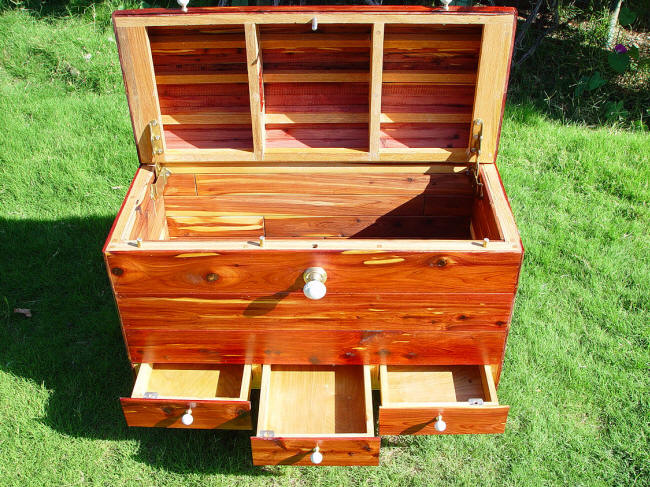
column 316, row 456
column 314, row 287
column 314, row 290
column 183, row 4
column 445, row 3
column 440, row 425
column 187, row 418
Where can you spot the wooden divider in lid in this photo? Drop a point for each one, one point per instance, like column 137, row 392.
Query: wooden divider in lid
column 316, row 84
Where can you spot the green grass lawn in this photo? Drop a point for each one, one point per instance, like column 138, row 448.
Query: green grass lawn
column 576, row 368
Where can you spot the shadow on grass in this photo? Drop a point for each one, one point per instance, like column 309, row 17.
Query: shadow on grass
column 73, row 345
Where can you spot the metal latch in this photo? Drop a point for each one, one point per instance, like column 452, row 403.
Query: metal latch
column 475, row 149
column 157, row 150
column 267, row 434
column 476, row 180
column 150, row 395
column 475, row 401
column 160, row 175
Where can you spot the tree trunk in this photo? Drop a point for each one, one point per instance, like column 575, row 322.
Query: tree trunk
column 613, row 23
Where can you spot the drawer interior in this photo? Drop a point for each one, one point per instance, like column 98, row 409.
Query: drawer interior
column 417, row 386
column 187, row 381
column 299, row 401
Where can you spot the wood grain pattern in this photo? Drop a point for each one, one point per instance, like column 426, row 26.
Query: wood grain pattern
column 302, row 181
column 460, row 420
column 424, row 312
column 180, row 185
column 304, row 204
column 296, row 136
column 348, row 272
column 167, row 413
column 296, row 451
column 273, row 346
column 484, row 223
column 368, row 227
column 141, row 94
column 191, row 137
column 216, row 226
column 333, row 15
column 255, row 88
column 376, row 80
column 491, row 85
column 431, row 384
column 189, row 381
column 318, row 227
column 287, row 204
column 306, row 400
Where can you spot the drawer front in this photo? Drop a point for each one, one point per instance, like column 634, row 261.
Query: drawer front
column 316, row 347
column 280, row 273
column 425, row 312
column 459, row 420
column 297, row 451
column 167, row 413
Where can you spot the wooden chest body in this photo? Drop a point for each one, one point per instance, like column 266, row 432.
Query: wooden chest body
column 365, row 147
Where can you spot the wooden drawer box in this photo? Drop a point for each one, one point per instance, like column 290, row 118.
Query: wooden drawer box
column 317, row 202
column 427, row 400
column 307, row 409
column 190, row 396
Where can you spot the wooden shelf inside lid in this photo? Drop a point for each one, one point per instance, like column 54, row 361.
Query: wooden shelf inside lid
column 421, row 77
column 230, row 118
column 364, row 88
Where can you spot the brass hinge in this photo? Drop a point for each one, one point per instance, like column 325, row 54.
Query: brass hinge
column 477, row 138
column 157, row 150
column 156, row 139
column 475, row 149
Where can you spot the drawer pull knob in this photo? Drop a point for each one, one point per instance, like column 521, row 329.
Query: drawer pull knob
column 316, row 456
column 187, row 418
column 440, row 425
column 183, row 4
column 315, row 278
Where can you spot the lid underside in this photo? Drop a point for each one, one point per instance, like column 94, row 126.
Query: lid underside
column 400, row 86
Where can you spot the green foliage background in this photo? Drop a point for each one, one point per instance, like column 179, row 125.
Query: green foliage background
column 576, row 366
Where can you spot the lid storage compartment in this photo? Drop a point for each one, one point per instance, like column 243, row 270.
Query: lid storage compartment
column 202, row 83
column 429, row 81
column 376, row 88
column 316, row 85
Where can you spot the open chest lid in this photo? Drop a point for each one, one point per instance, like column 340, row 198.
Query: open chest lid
column 316, row 84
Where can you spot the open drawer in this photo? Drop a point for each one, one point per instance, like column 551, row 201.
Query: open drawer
column 439, row 399
column 313, row 414
column 201, row 396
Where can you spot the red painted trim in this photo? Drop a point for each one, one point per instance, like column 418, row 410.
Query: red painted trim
column 386, row 9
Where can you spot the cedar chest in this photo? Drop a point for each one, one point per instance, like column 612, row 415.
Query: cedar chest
column 317, row 213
